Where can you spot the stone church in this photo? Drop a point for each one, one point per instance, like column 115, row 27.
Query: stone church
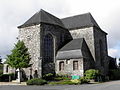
column 69, row 45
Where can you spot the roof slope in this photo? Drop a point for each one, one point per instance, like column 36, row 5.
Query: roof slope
column 79, row 21
column 42, row 16
column 73, row 45
column 71, row 50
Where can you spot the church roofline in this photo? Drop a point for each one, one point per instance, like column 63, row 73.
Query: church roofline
column 42, row 17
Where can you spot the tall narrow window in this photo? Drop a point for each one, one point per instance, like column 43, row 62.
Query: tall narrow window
column 48, row 48
column 61, row 66
column 101, row 53
column 75, row 65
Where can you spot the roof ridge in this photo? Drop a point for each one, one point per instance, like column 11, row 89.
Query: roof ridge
column 75, row 15
column 93, row 22
column 42, row 16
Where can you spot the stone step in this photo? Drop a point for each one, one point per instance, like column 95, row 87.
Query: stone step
column 14, row 80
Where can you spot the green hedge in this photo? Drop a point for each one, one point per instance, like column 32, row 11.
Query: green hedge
column 6, row 77
column 36, row 81
column 91, row 74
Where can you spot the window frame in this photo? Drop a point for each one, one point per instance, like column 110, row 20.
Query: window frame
column 75, row 65
column 61, row 67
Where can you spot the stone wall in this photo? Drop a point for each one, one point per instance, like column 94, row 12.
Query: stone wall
column 10, row 69
column 68, row 67
column 88, row 35
column 101, row 60
column 31, row 37
column 92, row 36
column 60, row 36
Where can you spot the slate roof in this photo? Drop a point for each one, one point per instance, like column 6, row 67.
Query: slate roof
column 44, row 17
column 79, row 21
column 71, row 50
column 73, row 45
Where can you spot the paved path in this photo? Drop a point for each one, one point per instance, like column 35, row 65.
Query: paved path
column 114, row 85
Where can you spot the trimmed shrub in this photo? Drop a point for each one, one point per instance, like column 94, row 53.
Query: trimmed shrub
column 36, row 81
column 91, row 74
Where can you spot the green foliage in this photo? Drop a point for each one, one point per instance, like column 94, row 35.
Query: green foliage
column 19, row 58
column 91, row 74
column 0, row 60
column 62, row 77
column 1, row 69
column 83, row 80
column 115, row 74
column 48, row 76
column 36, row 81
column 63, row 82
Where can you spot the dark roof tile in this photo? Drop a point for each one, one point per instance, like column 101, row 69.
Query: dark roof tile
column 44, row 17
column 73, row 45
column 79, row 21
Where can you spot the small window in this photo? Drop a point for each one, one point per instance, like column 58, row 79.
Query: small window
column 61, row 66
column 75, row 65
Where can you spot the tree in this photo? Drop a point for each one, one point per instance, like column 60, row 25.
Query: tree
column 0, row 60
column 1, row 66
column 19, row 58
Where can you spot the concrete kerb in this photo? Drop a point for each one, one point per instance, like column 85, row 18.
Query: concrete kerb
column 12, row 83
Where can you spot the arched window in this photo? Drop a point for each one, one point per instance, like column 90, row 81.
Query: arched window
column 48, row 48
column 61, row 66
column 101, row 53
column 7, row 67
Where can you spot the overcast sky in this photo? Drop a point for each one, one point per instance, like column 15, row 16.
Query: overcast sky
column 15, row 12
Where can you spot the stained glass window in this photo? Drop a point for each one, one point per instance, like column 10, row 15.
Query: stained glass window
column 48, row 49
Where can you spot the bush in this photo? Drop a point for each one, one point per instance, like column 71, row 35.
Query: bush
column 91, row 74
column 48, row 76
column 36, row 81
column 6, row 77
column 62, row 77
column 1, row 69
column 83, row 80
column 1, row 72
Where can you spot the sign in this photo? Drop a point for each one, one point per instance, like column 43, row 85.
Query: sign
column 75, row 77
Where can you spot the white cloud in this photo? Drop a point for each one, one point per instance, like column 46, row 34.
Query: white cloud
column 114, row 52
column 16, row 12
